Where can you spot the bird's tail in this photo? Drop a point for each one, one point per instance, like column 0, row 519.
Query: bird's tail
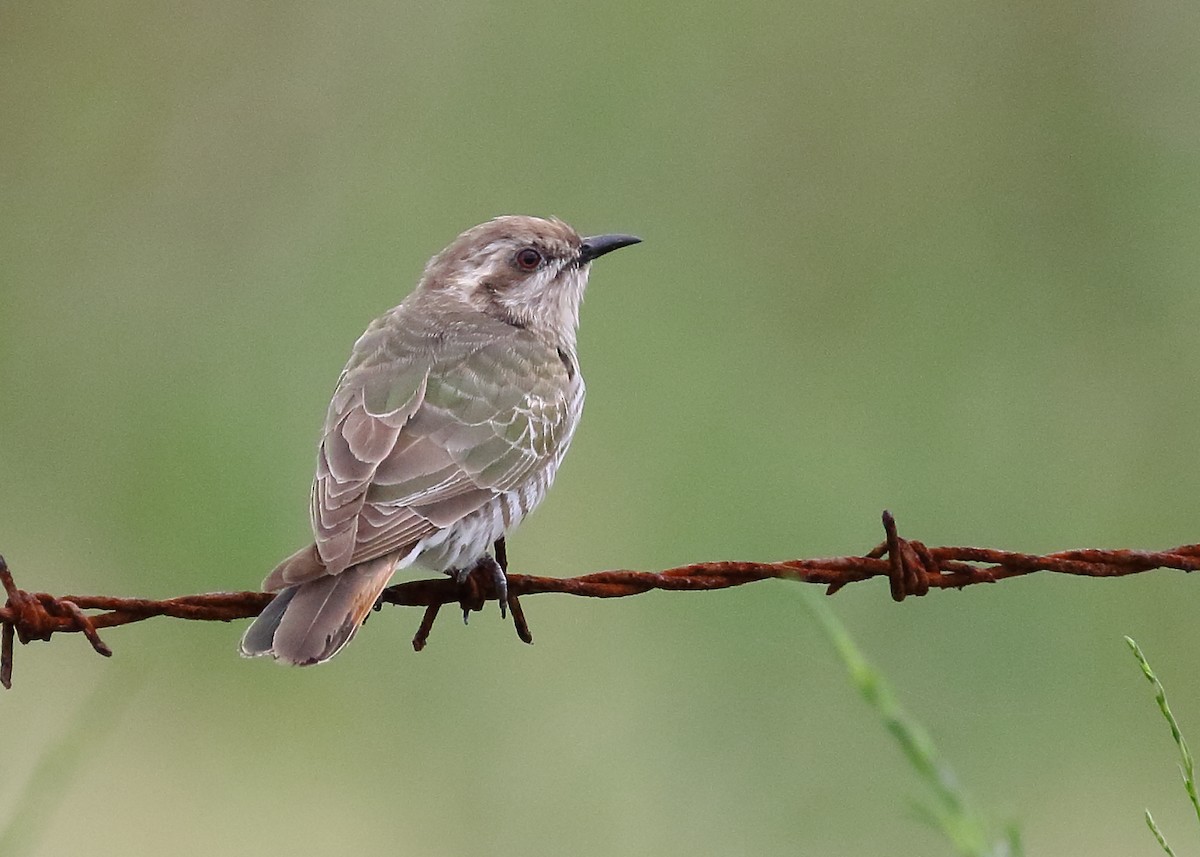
column 309, row 622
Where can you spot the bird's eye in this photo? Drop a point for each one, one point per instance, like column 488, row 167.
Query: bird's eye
column 528, row 259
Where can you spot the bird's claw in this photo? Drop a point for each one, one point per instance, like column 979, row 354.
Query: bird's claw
column 488, row 565
column 499, row 580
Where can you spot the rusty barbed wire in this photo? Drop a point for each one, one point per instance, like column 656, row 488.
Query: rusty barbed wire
column 911, row 567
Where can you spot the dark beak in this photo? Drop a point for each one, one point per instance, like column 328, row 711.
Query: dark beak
column 598, row 245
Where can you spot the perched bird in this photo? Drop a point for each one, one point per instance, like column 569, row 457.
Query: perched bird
column 447, row 427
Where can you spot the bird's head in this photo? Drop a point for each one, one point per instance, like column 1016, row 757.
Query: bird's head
column 527, row 271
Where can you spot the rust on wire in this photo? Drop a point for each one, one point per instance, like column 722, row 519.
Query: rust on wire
column 911, row 568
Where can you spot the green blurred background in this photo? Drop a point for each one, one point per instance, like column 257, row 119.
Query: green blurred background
column 935, row 258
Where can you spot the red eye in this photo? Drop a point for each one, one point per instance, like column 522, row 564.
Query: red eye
column 528, row 259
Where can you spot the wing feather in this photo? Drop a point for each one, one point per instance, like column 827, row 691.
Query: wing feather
column 416, row 439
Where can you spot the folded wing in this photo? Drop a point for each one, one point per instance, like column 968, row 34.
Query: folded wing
column 416, row 440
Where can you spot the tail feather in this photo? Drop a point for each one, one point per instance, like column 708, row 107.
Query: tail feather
column 260, row 635
column 310, row 622
column 302, row 566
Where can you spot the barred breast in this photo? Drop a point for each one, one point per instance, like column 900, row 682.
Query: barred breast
column 460, row 545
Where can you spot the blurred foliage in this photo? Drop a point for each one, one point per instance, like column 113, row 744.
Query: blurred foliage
column 934, row 258
column 23, row 825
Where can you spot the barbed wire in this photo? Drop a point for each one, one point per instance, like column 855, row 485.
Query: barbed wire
column 912, row 569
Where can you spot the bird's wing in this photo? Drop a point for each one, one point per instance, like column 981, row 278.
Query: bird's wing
column 416, row 441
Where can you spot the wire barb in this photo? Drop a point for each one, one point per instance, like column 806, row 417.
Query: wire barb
column 911, row 568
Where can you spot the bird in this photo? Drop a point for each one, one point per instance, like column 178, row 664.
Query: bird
column 446, row 428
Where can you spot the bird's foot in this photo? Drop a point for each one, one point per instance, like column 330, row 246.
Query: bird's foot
column 499, row 582
column 486, row 567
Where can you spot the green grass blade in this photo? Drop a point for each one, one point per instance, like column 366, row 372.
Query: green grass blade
column 950, row 811
column 1157, row 833
column 1187, row 766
